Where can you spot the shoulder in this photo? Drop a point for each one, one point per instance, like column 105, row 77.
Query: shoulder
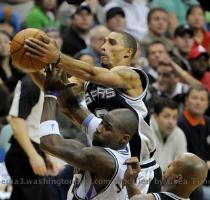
column 207, row 118
column 143, row 197
column 95, row 152
column 27, row 83
column 35, row 11
column 125, row 71
column 179, row 132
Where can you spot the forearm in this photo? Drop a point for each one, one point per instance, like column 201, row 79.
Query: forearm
column 184, row 75
column 49, row 109
column 20, row 131
column 132, row 190
column 65, row 149
column 75, row 67
column 76, row 115
column 70, row 105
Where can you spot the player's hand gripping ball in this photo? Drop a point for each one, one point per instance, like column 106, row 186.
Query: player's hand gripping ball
column 18, row 52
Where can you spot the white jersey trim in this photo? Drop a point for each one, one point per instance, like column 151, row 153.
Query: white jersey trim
column 169, row 194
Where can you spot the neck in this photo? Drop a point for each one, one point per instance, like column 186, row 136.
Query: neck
column 155, row 34
column 196, row 116
column 198, row 35
column 123, row 63
column 81, row 32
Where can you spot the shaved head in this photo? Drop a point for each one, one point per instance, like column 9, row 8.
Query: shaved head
column 126, row 120
column 193, row 169
column 186, row 173
column 117, row 128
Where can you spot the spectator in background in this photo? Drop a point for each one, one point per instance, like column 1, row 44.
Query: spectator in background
column 9, row 21
column 136, row 14
column 199, row 61
column 196, row 127
column 170, row 139
column 9, row 75
column 196, row 19
column 54, row 33
column 21, row 7
column 42, row 15
column 183, row 40
column 4, row 106
column 176, row 9
column 97, row 36
column 168, row 84
column 157, row 21
column 116, row 19
column 138, row 60
column 156, row 52
column 77, row 35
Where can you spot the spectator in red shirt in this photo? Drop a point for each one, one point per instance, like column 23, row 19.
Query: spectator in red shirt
column 199, row 61
column 196, row 19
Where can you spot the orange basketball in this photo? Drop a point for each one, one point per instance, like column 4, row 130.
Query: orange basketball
column 18, row 53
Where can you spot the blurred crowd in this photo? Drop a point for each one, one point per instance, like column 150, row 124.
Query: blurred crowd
column 173, row 49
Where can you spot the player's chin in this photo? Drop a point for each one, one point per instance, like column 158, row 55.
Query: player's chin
column 97, row 142
column 106, row 65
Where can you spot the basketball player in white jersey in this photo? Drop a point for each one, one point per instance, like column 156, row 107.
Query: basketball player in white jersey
column 115, row 85
column 101, row 165
column 186, row 173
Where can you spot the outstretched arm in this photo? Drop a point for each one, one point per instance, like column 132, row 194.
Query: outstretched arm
column 121, row 77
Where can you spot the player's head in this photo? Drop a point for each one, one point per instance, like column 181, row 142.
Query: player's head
column 117, row 128
column 54, row 33
column 185, row 173
column 118, row 49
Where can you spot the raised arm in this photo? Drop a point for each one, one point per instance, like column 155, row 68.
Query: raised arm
column 184, row 75
column 121, row 77
column 133, row 169
column 72, row 151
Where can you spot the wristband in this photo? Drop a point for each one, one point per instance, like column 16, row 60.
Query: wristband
column 48, row 128
column 51, row 94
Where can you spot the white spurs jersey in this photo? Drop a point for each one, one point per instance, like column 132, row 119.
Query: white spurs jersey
column 82, row 187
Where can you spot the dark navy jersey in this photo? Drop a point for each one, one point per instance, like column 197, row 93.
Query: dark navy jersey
column 167, row 196
column 100, row 100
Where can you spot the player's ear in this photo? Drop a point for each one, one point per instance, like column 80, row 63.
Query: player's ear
column 125, row 139
column 129, row 53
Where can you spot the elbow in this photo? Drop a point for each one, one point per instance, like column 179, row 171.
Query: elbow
column 47, row 143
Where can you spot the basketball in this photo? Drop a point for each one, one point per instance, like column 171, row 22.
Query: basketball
column 18, row 52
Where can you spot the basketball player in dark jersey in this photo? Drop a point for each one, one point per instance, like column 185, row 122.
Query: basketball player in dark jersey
column 115, row 85
column 186, row 173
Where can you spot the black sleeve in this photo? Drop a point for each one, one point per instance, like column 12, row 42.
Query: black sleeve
column 25, row 97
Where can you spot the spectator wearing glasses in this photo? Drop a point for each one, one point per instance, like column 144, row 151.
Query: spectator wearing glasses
column 168, row 84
